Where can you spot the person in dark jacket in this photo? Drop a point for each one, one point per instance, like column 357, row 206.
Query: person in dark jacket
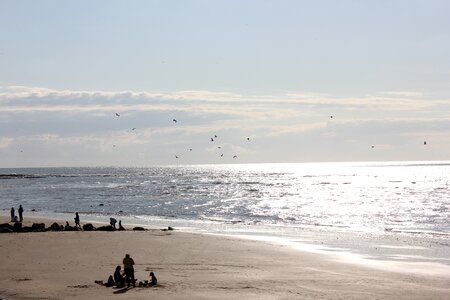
column 20, row 213
column 128, row 268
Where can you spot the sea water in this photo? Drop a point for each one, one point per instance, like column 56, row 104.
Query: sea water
column 384, row 210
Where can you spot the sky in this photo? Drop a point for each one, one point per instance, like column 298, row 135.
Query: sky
column 275, row 81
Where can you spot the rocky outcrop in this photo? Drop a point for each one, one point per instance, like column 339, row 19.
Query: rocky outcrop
column 137, row 228
column 106, row 228
column 88, row 227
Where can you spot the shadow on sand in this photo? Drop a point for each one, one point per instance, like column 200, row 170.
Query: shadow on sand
column 122, row 290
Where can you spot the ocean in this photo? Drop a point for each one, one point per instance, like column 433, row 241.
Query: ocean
column 379, row 210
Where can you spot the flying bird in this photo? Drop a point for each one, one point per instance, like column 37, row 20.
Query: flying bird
column 248, row 139
column 218, row 147
column 373, row 146
column 174, row 120
column 134, row 128
column 190, row 149
column 176, row 156
column 212, row 140
column 331, row 117
column 221, row 155
column 235, row 156
column 425, row 143
column 215, row 136
column 117, row 115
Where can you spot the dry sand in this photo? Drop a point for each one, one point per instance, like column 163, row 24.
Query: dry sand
column 64, row 265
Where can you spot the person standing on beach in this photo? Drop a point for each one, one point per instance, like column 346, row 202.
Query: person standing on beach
column 120, row 225
column 128, row 268
column 112, row 222
column 77, row 220
column 20, row 213
column 13, row 214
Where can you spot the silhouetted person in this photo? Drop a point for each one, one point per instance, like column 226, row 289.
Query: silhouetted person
column 112, row 222
column 153, row 280
column 13, row 214
column 128, row 268
column 118, row 278
column 67, row 227
column 120, row 225
column 20, row 213
column 110, row 282
column 77, row 220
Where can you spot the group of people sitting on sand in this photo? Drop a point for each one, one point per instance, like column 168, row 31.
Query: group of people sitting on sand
column 119, row 278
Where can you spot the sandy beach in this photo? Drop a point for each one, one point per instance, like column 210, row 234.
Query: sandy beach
column 64, row 265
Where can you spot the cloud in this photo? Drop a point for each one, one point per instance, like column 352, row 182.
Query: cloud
column 403, row 94
column 65, row 124
column 20, row 98
column 5, row 142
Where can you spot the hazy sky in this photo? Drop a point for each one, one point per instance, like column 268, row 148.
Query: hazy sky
column 271, row 71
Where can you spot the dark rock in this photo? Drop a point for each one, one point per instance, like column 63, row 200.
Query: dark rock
column 33, row 209
column 27, row 229
column 169, row 228
column 6, row 225
column 70, row 228
column 106, row 228
column 137, row 228
column 101, row 204
column 88, row 227
column 5, row 230
column 55, row 227
column 38, row 227
column 18, row 227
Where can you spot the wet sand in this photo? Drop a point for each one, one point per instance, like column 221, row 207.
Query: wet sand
column 64, row 265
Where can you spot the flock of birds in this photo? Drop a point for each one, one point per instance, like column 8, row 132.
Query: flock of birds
column 219, row 147
column 175, row 121
column 215, row 137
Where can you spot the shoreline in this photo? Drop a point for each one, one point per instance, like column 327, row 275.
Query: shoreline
column 55, row 265
column 429, row 267
column 401, row 263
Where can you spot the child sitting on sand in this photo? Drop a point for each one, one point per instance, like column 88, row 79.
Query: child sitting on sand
column 153, row 280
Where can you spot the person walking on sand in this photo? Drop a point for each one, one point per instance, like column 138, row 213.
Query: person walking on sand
column 128, row 268
column 77, row 220
column 20, row 213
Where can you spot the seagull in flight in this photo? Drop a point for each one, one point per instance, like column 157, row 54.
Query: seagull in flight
column 248, row 139
column 176, row 156
column 221, row 155
column 235, row 156
column 117, row 115
column 424, row 143
column 212, row 140
column 134, row 128
column 174, row 120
